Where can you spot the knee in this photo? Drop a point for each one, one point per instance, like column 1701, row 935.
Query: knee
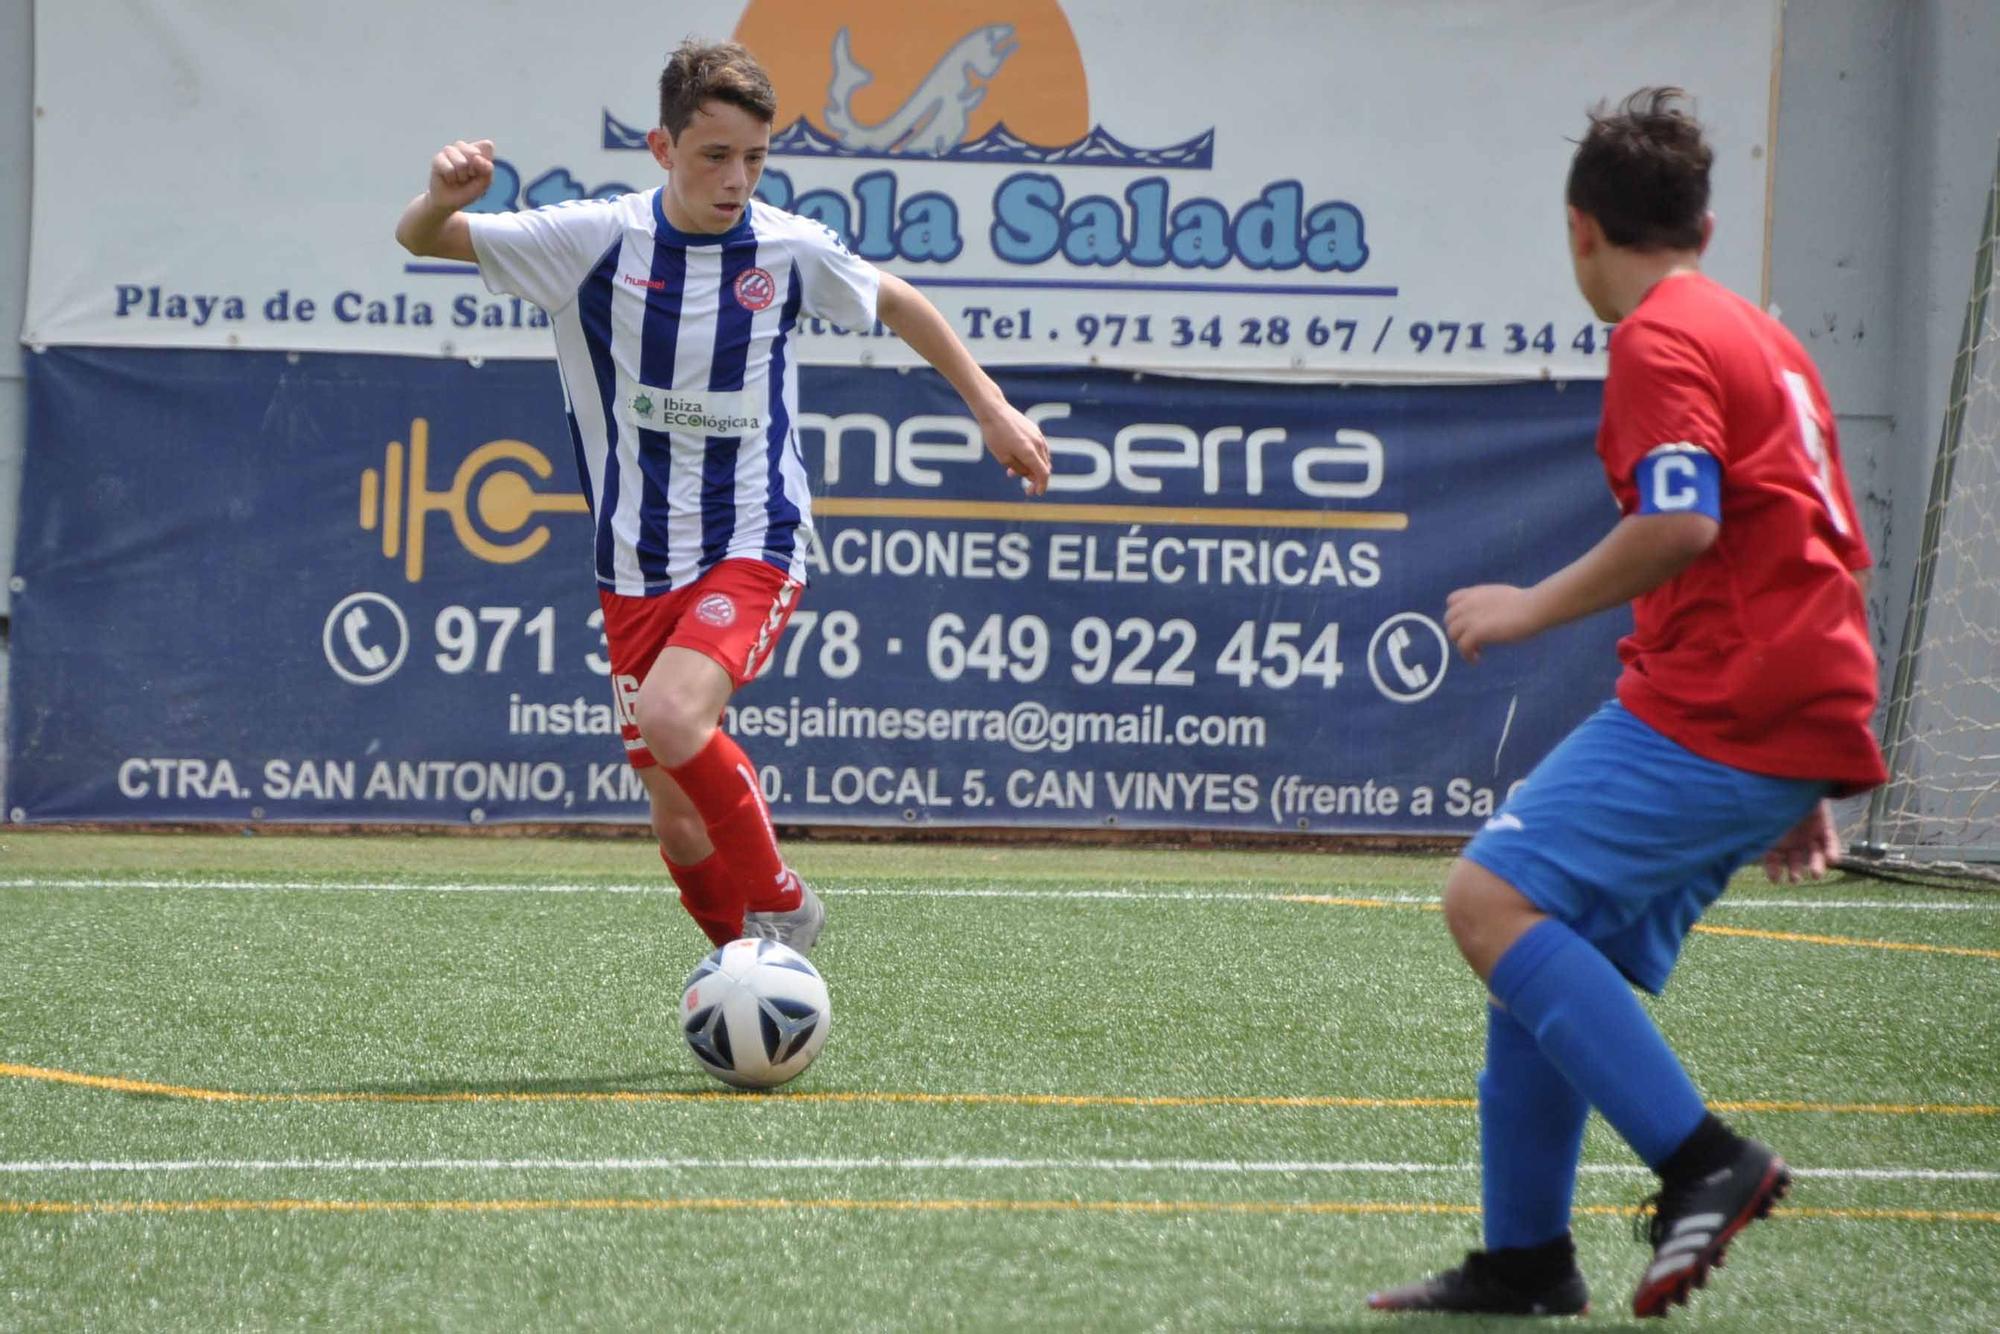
column 1485, row 914
column 673, row 728
column 1464, row 905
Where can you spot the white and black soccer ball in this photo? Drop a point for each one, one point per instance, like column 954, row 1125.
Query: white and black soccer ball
column 755, row 1013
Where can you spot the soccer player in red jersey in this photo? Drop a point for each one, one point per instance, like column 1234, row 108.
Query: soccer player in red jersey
column 675, row 311
column 1748, row 687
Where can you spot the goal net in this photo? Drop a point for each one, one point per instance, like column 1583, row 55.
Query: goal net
column 1941, row 807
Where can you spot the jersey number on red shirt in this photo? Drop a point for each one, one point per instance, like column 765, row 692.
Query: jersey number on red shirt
column 1814, row 440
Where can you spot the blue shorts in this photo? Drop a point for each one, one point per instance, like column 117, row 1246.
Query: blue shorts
column 1627, row 837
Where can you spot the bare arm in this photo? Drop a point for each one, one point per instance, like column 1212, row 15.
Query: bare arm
column 1010, row 437
column 431, row 224
column 1640, row 554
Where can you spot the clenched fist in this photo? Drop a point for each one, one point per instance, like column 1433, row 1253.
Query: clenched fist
column 460, row 173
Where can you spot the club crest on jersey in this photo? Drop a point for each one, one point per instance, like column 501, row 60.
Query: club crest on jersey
column 715, row 609
column 755, row 289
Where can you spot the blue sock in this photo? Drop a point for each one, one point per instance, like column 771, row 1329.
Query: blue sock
column 1530, row 1135
column 1586, row 1020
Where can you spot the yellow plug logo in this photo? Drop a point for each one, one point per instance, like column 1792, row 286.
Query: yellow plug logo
column 399, row 500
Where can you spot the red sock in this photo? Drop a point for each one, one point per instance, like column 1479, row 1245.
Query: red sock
column 721, row 783
column 709, row 896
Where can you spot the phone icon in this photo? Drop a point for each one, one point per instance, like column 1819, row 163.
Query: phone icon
column 1407, row 657
column 365, row 637
column 1413, row 677
column 370, row 656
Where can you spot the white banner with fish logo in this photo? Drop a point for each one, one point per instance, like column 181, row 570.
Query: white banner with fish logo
column 1345, row 189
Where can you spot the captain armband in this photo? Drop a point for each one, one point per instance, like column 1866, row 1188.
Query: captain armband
column 1679, row 479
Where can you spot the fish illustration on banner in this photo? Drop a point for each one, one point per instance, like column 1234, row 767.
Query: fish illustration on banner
column 933, row 120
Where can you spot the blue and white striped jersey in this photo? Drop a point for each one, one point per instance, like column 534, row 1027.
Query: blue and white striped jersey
column 680, row 372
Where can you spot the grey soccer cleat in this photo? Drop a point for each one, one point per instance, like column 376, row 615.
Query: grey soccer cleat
column 798, row 928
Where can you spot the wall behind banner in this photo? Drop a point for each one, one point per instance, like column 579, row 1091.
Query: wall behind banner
column 16, row 138
column 1886, row 125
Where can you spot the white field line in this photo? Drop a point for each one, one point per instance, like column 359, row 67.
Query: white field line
column 1215, row 1167
column 663, row 886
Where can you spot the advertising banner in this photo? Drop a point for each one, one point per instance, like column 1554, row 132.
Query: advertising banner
column 270, row 586
column 1341, row 190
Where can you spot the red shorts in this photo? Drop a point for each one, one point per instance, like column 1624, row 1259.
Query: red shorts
column 733, row 615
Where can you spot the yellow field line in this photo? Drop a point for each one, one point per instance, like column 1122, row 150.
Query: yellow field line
column 117, row 1085
column 1794, row 937
column 1018, row 511
column 150, row 1088
column 1799, row 937
column 723, row 1204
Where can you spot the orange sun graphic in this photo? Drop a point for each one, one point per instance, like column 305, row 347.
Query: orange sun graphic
column 897, row 79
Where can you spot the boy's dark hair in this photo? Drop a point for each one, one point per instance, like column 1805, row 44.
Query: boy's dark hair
column 1642, row 171
column 701, row 72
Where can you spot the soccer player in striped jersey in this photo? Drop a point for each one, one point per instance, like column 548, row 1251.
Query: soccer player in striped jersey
column 1746, row 699
column 674, row 312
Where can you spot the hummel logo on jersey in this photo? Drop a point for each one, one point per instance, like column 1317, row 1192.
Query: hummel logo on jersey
column 1504, row 820
column 650, row 284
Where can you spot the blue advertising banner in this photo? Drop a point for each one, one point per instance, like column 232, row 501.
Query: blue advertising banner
column 294, row 587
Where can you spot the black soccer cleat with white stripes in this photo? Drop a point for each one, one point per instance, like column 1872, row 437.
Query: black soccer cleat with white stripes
column 1487, row 1284
column 1693, row 1224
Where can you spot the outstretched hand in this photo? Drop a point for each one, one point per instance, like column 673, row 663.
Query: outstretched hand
column 1487, row 614
column 1018, row 444
column 1806, row 850
column 460, row 173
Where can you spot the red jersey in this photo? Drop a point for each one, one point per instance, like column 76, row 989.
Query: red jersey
column 1757, row 655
